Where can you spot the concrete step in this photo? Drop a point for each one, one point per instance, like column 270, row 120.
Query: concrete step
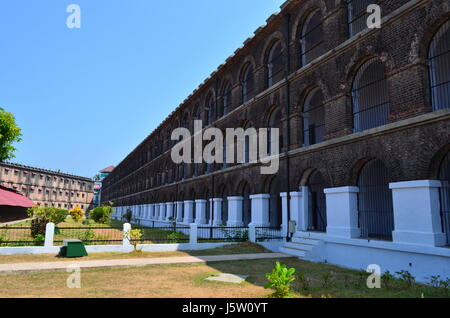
column 299, row 246
column 293, row 251
column 306, row 241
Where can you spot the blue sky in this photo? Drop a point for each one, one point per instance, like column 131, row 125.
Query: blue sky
column 85, row 98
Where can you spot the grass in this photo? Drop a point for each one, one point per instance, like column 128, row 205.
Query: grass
column 243, row 248
column 187, row 281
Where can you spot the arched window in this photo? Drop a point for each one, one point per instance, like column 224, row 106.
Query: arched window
column 275, row 64
column 209, row 110
column 444, row 176
column 224, row 206
column 370, row 96
column 246, row 205
column 274, row 123
column 317, row 208
column 208, row 209
column 275, row 211
column 226, row 99
column 439, row 67
column 311, row 38
column 247, row 83
column 313, row 118
column 376, row 216
column 357, row 15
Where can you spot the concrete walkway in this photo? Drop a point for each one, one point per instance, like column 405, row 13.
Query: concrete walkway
column 6, row 269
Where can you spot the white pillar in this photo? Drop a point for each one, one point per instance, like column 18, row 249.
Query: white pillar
column 193, row 233
column 342, row 212
column 188, row 211
column 284, row 214
column 49, row 233
column 169, row 209
column 304, row 216
column 162, row 211
column 157, row 206
column 235, row 211
column 260, row 210
column 296, row 201
column 125, row 241
column 217, row 218
column 417, row 215
column 180, row 205
column 252, row 233
column 200, row 211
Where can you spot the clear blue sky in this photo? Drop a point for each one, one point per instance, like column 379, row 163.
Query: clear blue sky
column 85, row 98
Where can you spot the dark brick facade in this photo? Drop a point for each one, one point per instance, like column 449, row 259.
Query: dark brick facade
column 410, row 146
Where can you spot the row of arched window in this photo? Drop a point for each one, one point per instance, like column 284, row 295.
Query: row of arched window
column 369, row 94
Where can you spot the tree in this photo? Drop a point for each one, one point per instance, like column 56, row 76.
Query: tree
column 9, row 134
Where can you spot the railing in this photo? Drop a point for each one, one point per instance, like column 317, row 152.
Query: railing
column 164, row 234
column 222, row 234
column 19, row 236
column 265, row 234
column 376, row 224
column 90, row 235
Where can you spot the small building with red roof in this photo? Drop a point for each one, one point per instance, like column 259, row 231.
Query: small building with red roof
column 13, row 205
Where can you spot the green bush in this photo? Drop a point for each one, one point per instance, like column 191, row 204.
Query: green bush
column 86, row 236
column 175, row 237
column 38, row 227
column 39, row 240
column 101, row 214
column 280, row 280
column 57, row 215
column 128, row 216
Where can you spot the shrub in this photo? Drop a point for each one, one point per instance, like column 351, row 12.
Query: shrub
column 46, row 215
column 57, row 215
column 86, row 236
column 38, row 227
column 76, row 214
column 128, row 216
column 175, row 237
column 388, row 279
column 101, row 214
column 134, row 237
column 304, row 281
column 406, row 278
column 280, row 280
column 39, row 240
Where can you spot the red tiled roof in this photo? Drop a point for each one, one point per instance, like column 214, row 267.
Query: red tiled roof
column 11, row 198
column 107, row 169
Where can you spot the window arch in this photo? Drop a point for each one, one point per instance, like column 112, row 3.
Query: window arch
column 444, row 176
column 209, row 109
column 224, row 204
column 370, row 96
column 439, row 68
column 311, row 38
column 317, row 208
column 313, row 118
column 226, row 99
column 274, row 123
column 376, row 216
column 275, row 64
column 247, row 82
column 246, row 205
column 275, row 210
column 357, row 15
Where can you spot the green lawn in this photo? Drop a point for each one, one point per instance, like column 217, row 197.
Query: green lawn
column 187, row 281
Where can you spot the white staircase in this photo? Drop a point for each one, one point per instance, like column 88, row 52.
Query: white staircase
column 303, row 247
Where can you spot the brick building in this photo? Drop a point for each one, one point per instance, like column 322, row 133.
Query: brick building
column 48, row 188
column 364, row 121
